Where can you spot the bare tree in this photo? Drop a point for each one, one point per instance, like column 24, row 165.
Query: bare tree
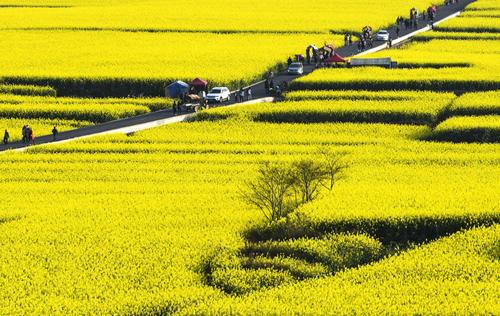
column 271, row 191
column 309, row 176
column 280, row 189
column 334, row 166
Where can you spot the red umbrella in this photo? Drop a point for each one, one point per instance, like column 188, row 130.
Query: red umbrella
column 199, row 84
column 336, row 58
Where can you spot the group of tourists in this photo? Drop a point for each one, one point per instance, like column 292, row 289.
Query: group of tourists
column 365, row 39
column 412, row 22
column 275, row 89
column 319, row 55
column 242, row 95
column 28, row 136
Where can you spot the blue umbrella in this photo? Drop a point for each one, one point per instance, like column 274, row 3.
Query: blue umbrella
column 177, row 88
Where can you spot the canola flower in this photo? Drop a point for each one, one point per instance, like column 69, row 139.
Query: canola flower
column 412, row 111
column 247, row 16
column 458, row 274
column 479, row 103
column 485, row 128
column 130, row 218
column 122, row 224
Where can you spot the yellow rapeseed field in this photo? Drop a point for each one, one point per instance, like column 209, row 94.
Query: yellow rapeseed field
column 121, row 224
column 154, row 222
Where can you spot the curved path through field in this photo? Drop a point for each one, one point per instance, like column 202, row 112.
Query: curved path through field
column 163, row 117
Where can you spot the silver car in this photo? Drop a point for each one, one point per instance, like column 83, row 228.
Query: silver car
column 295, row 69
column 219, row 94
column 382, row 35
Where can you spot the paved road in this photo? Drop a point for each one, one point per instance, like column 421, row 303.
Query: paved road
column 258, row 90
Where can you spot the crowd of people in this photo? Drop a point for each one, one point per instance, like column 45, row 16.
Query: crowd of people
column 242, row 95
column 275, row 89
column 28, row 136
column 365, row 39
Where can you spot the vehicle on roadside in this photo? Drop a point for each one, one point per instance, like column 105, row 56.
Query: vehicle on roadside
column 382, row 35
column 295, row 69
column 219, row 94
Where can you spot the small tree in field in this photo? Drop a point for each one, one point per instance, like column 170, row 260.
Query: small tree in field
column 309, row 177
column 271, row 191
column 334, row 167
column 278, row 189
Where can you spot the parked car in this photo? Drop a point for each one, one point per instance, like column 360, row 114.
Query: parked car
column 219, row 94
column 295, row 69
column 382, row 35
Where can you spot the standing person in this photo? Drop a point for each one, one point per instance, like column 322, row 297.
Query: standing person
column 174, row 108
column 54, row 133
column 266, row 86
column 6, row 137
column 25, row 137
column 289, row 61
column 350, row 39
column 284, row 85
column 249, row 93
column 236, row 96
column 278, row 92
column 31, row 135
column 346, row 40
column 242, row 95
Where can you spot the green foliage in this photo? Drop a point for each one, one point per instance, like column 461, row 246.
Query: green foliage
column 471, row 129
column 27, row 90
column 335, row 251
column 479, row 103
column 270, row 264
column 91, row 110
column 454, row 275
column 299, row 269
column 408, row 111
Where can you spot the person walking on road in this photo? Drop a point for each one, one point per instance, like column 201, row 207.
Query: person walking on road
column 25, row 134
column 54, row 133
column 6, row 137
column 249, row 94
column 30, row 135
column 242, row 95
